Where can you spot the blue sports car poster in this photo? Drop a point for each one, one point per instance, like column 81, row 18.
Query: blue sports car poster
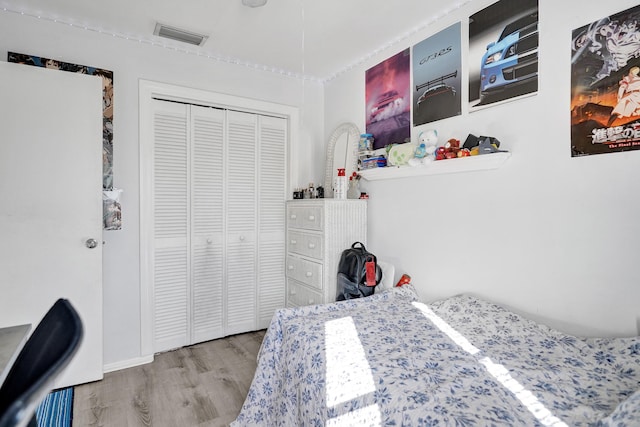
column 605, row 85
column 503, row 52
column 436, row 76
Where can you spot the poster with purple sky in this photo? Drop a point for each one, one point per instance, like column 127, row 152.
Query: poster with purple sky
column 388, row 100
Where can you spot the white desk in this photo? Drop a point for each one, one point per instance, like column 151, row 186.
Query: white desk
column 12, row 339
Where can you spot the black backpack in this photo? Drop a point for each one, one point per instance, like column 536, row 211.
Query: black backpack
column 353, row 280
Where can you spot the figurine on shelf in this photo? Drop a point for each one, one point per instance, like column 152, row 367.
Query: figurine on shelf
column 482, row 145
column 426, row 149
column 450, row 150
column 487, row 146
column 354, row 186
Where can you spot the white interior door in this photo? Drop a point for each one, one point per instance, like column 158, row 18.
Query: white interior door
column 50, row 185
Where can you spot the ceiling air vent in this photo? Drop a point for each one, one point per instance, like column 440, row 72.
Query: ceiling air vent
column 183, row 36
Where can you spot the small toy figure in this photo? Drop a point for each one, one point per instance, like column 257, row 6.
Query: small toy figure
column 426, row 149
column 421, row 151
column 487, row 147
column 450, row 150
column 405, row 279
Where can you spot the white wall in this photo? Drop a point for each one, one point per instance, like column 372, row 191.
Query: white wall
column 131, row 61
column 551, row 236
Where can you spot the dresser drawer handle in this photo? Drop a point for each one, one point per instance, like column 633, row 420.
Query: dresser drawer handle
column 311, row 301
column 293, row 216
column 290, row 267
column 293, row 242
column 312, row 218
column 309, row 274
column 312, row 245
column 292, row 292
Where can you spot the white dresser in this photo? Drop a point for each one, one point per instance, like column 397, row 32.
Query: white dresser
column 318, row 230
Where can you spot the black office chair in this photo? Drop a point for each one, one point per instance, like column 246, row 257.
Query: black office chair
column 45, row 354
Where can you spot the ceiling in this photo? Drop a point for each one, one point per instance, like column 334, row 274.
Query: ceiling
column 311, row 39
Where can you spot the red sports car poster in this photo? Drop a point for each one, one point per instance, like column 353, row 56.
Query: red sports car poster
column 605, row 85
column 388, row 100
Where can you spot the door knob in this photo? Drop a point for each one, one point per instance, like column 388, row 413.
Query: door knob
column 91, row 243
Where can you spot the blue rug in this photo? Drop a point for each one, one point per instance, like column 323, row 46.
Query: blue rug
column 56, row 409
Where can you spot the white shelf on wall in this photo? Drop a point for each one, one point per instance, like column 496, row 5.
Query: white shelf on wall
column 462, row 164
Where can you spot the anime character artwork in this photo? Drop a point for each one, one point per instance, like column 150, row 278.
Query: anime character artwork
column 388, row 103
column 107, row 102
column 605, row 85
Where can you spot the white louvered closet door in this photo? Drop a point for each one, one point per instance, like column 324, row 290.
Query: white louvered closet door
column 272, row 137
column 171, row 227
column 188, row 217
column 241, row 249
column 218, row 197
column 207, row 223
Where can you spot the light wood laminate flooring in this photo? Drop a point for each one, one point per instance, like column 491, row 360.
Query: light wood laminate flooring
column 200, row 385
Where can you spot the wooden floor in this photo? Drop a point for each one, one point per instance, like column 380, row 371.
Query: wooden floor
column 200, row 385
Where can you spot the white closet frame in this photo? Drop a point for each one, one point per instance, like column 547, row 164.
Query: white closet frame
column 149, row 90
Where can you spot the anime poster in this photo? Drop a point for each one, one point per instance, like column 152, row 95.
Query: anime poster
column 111, row 209
column 387, row 103
column 436, row 77
column 503, row 52
column 107, row 103
column 605, row 85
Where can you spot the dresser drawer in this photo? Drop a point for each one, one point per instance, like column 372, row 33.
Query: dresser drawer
column 305, row 244
column 307, row 217
column 307, row 272
column 299, row 295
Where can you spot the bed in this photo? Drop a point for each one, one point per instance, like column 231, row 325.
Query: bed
column 390, row 360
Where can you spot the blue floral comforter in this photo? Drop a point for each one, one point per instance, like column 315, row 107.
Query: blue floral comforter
column 391, row 360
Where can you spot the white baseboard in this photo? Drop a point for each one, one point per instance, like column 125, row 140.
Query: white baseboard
column 130, row 363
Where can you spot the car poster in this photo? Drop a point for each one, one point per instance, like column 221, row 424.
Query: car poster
column 436, row 77
column 387, row 100
column 605, row 85
column 503, row 52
